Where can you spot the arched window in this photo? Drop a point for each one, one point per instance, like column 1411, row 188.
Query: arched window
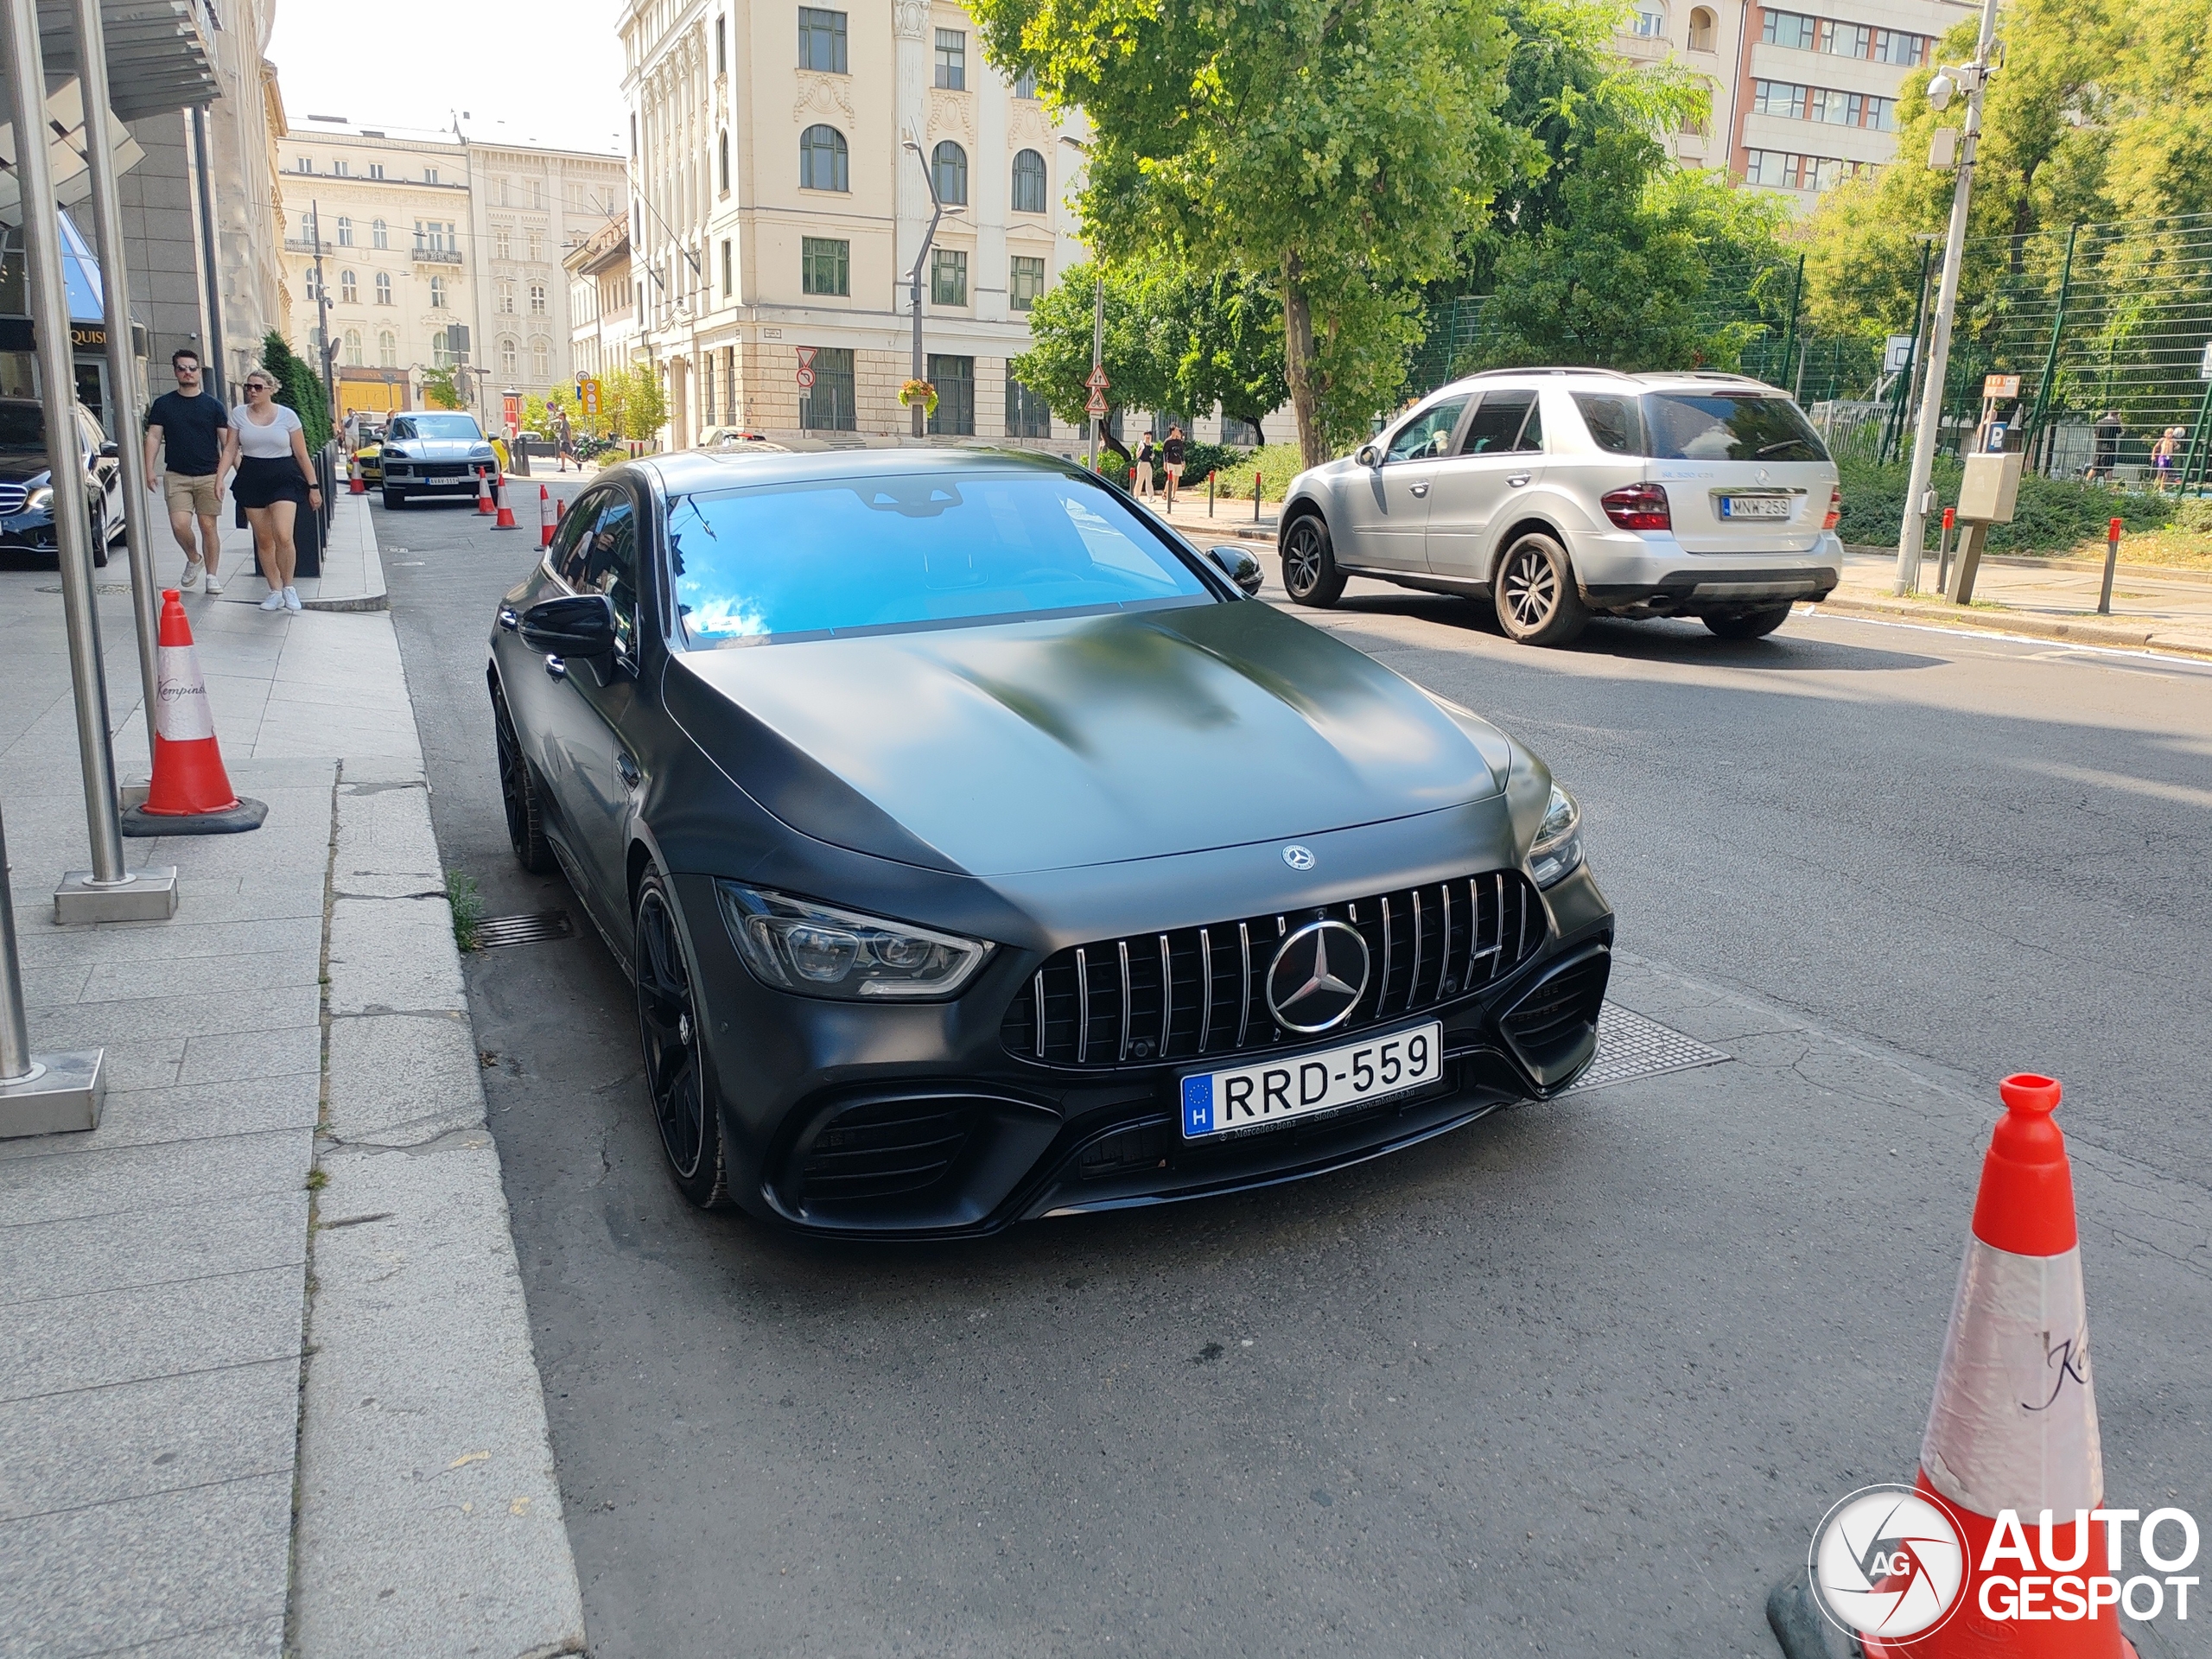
column 379, row 237
column 1029, row 185
column 387, row 350
column 722, row 148
column 824, row 161
column 352, row 348
column 950, row 168
column 510, row 357
column 345, row 232
column 384, row 287
column 441, row 355
column 347, row 292
column 1703, row 28
column 541, row 359
column 437, row 293
column 538, row 299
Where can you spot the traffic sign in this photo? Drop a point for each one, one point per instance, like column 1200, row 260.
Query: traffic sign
column 1097, row 403
column 805, row 379
column 2000, row 385
column 806, row 359
column 1098, row 381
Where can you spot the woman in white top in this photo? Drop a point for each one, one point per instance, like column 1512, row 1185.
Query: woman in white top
column 274, row 479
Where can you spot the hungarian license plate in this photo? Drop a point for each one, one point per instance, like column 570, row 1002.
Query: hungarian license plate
column 448, row 478
column 1255, row 1097
column 1755, row 506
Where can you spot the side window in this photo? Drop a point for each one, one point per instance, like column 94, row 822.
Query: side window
column 1429, row 433
column 1497, row 422
column 562, row 558
column 609, row 564
column 1532, row 430
column 1613, row 422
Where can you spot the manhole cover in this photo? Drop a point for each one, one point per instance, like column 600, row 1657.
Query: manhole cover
column 1629, row 1045
column 496, row 930
column 102, row 588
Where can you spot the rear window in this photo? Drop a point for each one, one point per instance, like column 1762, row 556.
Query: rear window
column 1699, row 426
column 837, row 555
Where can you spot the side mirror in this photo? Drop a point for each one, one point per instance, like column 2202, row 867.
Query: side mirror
column 108, row 450
column 1369, row 455
column 582, row 626
column 1239, row 566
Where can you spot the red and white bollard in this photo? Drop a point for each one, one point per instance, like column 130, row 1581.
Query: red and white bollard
column 2112, row 565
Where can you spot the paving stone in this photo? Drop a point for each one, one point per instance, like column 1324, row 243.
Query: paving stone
column 147, row 1330
column 393, row 954
column 127, row 1180
column 401, row 1079
column 161, row 1116
column 285, row 1052
column 75, row 1255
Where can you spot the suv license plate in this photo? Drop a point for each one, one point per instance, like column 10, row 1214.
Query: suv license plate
column 1255, row 1097
column 1755, row 506
column 447, row 478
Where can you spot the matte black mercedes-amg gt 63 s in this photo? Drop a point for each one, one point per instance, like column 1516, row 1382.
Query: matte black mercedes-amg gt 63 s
column 979, row 851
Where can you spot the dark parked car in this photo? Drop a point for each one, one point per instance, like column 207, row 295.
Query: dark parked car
column 26, row 481
column 981, row 851
column 435, row 453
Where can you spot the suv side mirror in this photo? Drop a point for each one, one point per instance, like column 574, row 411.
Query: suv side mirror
column 1239, row 566
column 582, row 625
column 108, row 450
column 1369, row 455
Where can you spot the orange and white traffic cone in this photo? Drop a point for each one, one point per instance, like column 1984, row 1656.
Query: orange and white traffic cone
column 2012, row 1444
column 484, row 494
column 506, row 512
column 191, row 793
column 355, row 485
column 545, row 520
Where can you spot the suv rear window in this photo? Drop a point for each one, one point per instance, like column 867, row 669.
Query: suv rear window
column 1701, row 426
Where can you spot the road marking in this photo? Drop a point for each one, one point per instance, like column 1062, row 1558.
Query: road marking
column 2046, row 647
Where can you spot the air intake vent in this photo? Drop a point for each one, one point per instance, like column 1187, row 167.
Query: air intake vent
column 886, row 1148
column 1555, row 1016
column 1202, row 990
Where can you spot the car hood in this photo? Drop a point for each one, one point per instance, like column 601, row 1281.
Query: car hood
column 440, row 448
column 25, row 469
column 1044, row 745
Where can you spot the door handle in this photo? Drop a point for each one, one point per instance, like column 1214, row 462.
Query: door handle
column 508, row 619
column 1420, row 489
column 555, row 668
column 1518, row 479
column 628, row 768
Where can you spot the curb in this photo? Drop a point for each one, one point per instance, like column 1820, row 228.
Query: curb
column 2124, row 635
column 352, row 607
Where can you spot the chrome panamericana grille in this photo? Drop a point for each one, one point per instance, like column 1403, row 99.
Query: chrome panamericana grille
column 12, row 497
column 1197, row 991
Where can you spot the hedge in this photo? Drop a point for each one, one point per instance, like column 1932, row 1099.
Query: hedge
column 2052, row 516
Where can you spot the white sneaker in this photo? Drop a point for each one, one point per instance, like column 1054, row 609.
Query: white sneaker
column 193, row 571
column 275, row 601
column 292, row 600
column 214, row 582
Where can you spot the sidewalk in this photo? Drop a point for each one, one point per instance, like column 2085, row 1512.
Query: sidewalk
column 238, row 1415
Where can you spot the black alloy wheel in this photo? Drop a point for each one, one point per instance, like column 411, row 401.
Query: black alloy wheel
column 1751, row 624
column 1537, row 601
column 668, row 1029
column 100, row 535
column 519, row 792
column 1309, row 568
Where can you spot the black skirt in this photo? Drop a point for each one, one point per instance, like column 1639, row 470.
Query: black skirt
column 261, row 481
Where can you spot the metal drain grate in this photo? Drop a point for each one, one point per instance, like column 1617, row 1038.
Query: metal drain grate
column 495, row 930
column 1629, row 1045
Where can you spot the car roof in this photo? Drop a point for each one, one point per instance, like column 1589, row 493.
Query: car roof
column 1645, row 380
column 792, row 461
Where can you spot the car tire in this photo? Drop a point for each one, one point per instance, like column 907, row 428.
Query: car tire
column 101, row 537
column 1751, row 624
column 393, row 499
column 1310, row 575
column 677, row 1081
column 519, row 793
column 1535, row 595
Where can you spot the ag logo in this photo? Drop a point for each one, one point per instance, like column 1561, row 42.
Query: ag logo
column 1887, row 1562
column 1299, row 858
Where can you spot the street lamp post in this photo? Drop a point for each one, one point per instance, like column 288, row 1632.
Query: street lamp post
column 1973, row 77
column 914, row 276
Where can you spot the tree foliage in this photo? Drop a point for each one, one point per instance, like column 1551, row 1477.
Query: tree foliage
column 642, row 401
column 441, row 389
column 299, row 388
column 1338, row 149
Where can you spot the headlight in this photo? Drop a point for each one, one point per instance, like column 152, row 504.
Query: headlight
column 796, row 944
column 40, row 499
column 1557, row 850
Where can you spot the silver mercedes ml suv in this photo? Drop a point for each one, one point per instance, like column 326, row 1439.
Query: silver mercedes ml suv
column 1555, row 494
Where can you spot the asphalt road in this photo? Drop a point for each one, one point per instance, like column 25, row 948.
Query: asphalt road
column 1578, row 1379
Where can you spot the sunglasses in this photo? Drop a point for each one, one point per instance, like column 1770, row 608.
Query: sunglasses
column 260, row 386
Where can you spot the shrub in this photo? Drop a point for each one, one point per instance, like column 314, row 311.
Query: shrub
column 299, row 388
column 2052, row 514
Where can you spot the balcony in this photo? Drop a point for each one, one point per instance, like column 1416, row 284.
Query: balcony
column 437, row 256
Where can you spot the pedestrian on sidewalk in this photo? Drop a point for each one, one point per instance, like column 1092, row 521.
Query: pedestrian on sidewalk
column 2106, row 455
column 565, row 440
column 1145, row 457
column 274, row 481
column 193, row 429
column 1172, row 453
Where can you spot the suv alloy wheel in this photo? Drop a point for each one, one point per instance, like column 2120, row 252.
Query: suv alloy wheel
column 1537, row 601
column 1309, row 569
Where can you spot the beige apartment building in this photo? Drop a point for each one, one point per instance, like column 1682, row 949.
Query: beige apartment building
column 422, row 237
column 1802, row 99
column 602, row 302
column 780, row 199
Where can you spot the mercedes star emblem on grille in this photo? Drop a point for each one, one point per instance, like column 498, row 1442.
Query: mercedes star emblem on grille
column 1318, row 976
column 1299, row 858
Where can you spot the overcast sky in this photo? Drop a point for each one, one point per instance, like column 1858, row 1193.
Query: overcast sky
column 546, row 73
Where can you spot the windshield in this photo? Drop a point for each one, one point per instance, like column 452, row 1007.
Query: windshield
column 23, row 428
column 439, row 426
column 839, row 555
column 1699, row 426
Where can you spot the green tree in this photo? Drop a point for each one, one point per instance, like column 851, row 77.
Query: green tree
column 1337, row 148
column 440, row 389
column 299, row 388
column 645, row 403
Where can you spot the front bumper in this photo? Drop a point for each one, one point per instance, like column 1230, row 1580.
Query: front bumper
column 409, row 476
column 984, row 1138
column 34, row 531
column 1653, row 574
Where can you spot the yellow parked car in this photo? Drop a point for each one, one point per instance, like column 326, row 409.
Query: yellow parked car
column 371, row 457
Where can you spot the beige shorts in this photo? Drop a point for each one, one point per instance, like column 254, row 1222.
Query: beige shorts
column 203, row 495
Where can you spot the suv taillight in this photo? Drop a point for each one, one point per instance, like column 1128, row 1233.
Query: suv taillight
column 1639, row 506
column 1835, row 507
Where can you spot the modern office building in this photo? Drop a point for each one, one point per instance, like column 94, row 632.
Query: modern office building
column 784, row 157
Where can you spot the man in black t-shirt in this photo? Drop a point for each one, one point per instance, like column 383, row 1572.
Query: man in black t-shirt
column 194, row 429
